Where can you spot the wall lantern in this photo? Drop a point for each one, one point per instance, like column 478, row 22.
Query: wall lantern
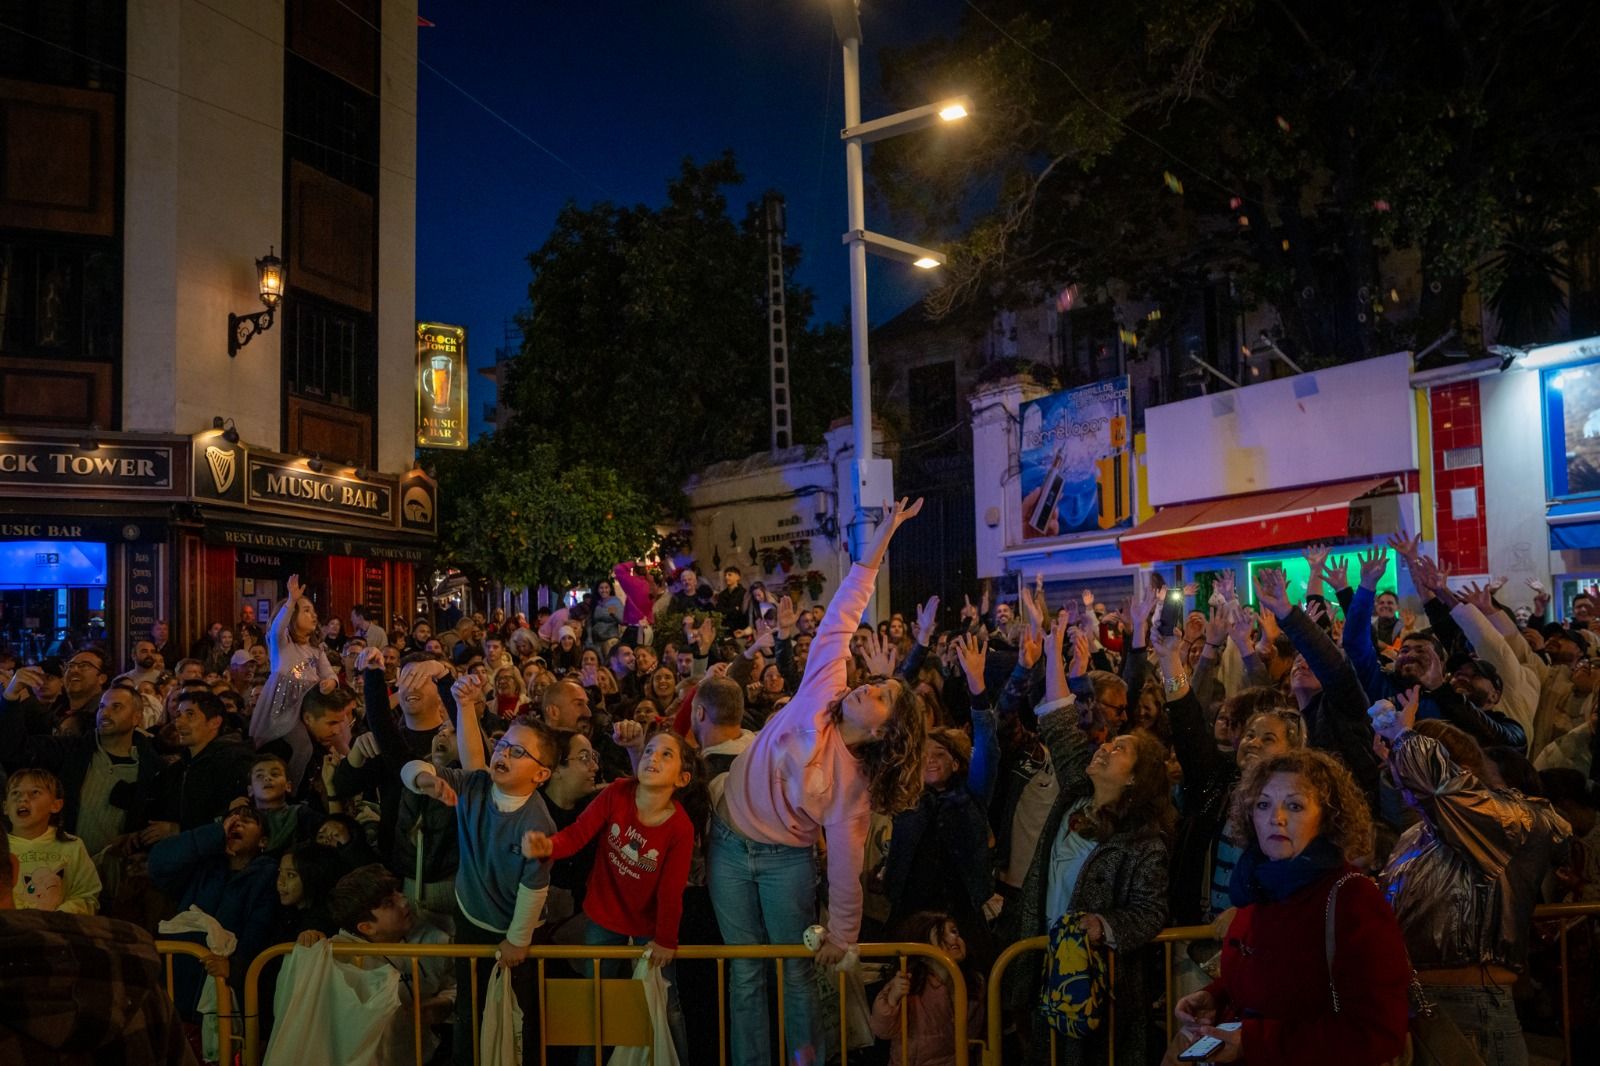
column 241, row 328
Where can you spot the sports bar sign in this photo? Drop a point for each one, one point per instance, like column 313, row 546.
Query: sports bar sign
column 441, row 386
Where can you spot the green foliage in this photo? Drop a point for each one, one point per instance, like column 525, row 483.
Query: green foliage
column 1347, row 130
column 524, row 518
column 645, row 349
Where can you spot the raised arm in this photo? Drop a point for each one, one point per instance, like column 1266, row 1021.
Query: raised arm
column 1058, row 726
column 830, row 648
column 468, row 693
column 985, row 764
column 278, row 630
column 927, row 627
column 1520, row 695
column 1358, row 627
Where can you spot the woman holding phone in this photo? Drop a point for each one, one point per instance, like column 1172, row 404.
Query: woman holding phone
column 1314, row 968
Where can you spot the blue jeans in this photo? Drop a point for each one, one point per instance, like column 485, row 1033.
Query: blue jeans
column 1487, row 1017
column 622, row 969
column 764, row 894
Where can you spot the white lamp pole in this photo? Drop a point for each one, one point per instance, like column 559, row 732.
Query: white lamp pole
column 874, row 478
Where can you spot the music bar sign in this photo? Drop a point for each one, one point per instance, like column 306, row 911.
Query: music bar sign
column 441, row 386
column 64, row 464
column 288, row 483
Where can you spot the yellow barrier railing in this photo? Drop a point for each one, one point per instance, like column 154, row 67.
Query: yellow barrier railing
column 169, row 950
column 1568, row 914
column 614, row 1016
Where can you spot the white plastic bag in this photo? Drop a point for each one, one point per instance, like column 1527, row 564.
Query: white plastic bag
column 501, row 1043
column 858, row 1012
column 655, row 1000
column 219, row 942
column 330, row 1013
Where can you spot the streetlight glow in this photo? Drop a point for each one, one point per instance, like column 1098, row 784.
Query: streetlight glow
column 951, row 112
column 926, row 263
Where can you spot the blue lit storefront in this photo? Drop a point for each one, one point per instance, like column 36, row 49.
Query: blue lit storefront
column 1569, row 402
column 85, row 525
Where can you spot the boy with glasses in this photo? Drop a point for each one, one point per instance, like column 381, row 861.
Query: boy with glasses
column 499, row 893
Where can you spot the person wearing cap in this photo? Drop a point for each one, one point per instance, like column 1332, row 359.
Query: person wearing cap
column 1566, row 679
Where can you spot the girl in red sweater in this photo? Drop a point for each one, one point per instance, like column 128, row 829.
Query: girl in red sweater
column 1296, row 1001
column 647, row 838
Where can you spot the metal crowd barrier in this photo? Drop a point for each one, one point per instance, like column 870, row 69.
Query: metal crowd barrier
column 171, row 949
column 1568, row 915
column 596, row 1011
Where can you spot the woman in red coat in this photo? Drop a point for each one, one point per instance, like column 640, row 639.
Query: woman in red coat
column 1296, row 1001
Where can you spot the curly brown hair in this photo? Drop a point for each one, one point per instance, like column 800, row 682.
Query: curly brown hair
column 1346, row 820
column 893, row 762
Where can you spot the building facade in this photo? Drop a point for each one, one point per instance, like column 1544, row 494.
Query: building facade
column 152, row 466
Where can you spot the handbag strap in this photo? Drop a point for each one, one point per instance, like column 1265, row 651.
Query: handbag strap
column 1327, row 935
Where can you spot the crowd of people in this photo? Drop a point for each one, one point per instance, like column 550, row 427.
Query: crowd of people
column 1365, row 803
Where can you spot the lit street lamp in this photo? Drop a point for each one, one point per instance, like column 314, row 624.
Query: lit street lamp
column 874, row 478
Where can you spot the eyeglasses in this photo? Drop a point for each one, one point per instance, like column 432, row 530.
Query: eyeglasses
column 80, row 664
column 517, row 751
column 587, row 757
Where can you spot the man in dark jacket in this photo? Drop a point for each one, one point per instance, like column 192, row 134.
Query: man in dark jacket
column 211, row 772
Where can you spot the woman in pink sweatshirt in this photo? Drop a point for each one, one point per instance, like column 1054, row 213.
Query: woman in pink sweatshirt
column 815, row 773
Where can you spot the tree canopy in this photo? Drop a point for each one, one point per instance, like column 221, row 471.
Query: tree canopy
column 529, row 519
column 1296, row 149
column 645, row 346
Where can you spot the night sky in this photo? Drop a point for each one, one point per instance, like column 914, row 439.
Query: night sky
column 622, row 91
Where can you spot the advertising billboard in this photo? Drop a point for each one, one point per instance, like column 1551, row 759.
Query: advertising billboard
column 1076, row 461
column 441, row 386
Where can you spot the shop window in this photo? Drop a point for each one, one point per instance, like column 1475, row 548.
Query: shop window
column 1572, row 430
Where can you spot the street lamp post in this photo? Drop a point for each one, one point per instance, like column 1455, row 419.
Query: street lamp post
column 874, row 478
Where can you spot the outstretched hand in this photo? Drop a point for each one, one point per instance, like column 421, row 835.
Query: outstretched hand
column 1373, row 563
column 893, row 518
column 927, row 621
column 787, row 616
column 880, row 654
column 973, row 655
column 430, row 784
column 1272, row 591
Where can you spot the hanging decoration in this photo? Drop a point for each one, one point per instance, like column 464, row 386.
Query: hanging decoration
column 1172, row 182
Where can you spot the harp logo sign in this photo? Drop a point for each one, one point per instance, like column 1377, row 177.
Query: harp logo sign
column 223, row 467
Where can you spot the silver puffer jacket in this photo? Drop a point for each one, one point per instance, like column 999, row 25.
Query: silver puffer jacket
column 1464, row 880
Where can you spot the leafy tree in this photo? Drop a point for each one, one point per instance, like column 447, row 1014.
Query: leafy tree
column 1287, row 146
column 528, row 519
column 645, row 348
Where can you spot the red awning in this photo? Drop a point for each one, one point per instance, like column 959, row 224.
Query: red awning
column 1245, row 523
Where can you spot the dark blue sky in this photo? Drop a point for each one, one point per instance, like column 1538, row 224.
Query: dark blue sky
column 623, row 90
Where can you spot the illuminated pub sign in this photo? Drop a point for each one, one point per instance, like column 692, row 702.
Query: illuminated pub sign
column 441, row 386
